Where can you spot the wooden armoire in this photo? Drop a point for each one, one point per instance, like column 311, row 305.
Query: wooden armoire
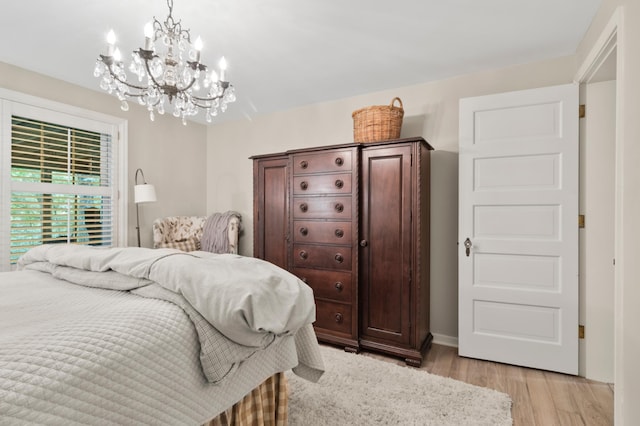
column 352, row 221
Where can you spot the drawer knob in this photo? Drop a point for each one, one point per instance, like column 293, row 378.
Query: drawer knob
column 339, row 286
column 339, row 183
column 364, row 243
column 304, row 164
column 304, row 184
column 339, row 207
column 338, row 318
column 339, row 233
column 339, row 258
column 304, row 254
column 304, row 231
column 339, row 161
column 304, row 207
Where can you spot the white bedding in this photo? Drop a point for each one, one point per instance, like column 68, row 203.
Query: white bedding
column 72, row 354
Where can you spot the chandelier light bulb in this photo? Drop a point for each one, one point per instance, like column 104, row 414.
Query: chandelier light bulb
column 148, row 34
column 111, row 41
column 111, row 37
column 223, row 67
column 148, row 30
column 198, row 46
column 171, row 77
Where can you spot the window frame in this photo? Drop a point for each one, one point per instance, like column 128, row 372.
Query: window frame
column 16, row 103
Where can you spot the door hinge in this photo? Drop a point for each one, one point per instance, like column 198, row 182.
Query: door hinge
column 580, row 221
column 582, row 111
column 581, row 332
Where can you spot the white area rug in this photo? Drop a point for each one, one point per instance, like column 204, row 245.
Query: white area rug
column 360, row 390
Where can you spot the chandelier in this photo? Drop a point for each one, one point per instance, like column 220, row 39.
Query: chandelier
column 169, row 77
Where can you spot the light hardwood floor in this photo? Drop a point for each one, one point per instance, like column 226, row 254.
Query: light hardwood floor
column 540, row 398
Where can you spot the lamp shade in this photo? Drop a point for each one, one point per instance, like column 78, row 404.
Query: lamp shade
column 144, row 193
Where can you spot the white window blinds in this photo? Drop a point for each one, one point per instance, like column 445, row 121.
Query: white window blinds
column 60, row 177
column 60, row 185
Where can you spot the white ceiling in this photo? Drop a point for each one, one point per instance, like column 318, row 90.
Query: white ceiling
column 288, row 53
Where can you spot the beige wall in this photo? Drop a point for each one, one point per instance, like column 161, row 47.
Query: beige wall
column 431, row 111
column 627, row 313
column 170, row 154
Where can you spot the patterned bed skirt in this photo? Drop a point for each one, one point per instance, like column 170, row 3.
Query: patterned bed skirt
column 266, row 405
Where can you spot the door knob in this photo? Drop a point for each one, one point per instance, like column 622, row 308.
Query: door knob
column 467, row 246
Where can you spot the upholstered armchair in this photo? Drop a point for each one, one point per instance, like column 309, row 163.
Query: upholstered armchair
column 217, row 233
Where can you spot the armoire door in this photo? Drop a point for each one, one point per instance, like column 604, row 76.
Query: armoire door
column 271, row 207
column 386, row 244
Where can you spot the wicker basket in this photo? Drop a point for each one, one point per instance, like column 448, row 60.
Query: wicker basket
column 377, row 123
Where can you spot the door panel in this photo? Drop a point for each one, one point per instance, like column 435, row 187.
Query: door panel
column 271, row 207
column 518, row 287
column 386, row 259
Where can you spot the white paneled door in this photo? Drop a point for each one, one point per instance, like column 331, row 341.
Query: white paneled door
column 518, row 228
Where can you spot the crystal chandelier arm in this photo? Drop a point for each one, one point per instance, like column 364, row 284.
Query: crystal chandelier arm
column 108, row 61
column 224, row 88
column 147, row 59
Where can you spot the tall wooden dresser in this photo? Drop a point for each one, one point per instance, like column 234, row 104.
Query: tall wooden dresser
column 352, row 221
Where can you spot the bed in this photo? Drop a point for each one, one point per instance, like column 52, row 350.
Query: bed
column 142, row 336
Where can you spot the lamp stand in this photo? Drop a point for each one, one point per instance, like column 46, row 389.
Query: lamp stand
column 138, row 223
column 142, row 193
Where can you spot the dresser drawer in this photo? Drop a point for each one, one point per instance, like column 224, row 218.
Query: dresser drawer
column 333, row 316
column 333, row 285
column 322, row 184
column 322, row 232
column 322, row 208
column 327, row 257
column 314, row 162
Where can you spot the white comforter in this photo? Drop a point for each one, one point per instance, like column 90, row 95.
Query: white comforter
column 88, row 354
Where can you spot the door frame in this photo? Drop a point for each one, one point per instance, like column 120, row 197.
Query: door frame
column 611, row 39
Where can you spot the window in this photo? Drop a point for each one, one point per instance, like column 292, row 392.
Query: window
column 60, row 175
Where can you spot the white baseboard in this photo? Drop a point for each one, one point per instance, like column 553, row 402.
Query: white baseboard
column 443, row 339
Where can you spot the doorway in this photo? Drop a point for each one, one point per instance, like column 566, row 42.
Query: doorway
column 601, row 197
column 597, row 237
